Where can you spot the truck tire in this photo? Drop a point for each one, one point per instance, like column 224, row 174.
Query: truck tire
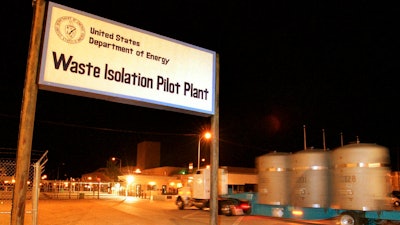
column 351, row 218
column 179, row 202
column 346, row 219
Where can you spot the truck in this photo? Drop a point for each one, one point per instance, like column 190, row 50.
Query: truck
column 351, row 184
column 197, row 192
column 342, row 216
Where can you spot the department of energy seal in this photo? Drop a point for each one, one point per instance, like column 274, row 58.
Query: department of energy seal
column 70, row 29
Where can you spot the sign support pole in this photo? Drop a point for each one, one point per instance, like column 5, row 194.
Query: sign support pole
column 27, row 119
column 215, row 152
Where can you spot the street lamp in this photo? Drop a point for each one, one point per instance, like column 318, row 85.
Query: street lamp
column 114, row 158
column 207, row 135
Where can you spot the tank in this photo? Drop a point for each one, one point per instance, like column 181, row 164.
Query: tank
column 273, row 178
column 361, row 177
column 310, row 183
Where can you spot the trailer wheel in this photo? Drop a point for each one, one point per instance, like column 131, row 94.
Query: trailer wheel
column 350, row 218
column 347, row 219
column 180, row 204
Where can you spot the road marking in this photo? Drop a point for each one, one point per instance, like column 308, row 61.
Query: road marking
column 190, row 215
column 237, row 222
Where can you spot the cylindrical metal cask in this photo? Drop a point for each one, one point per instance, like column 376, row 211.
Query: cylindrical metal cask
column 361, row 177
column 274, row 178
column 310, row 182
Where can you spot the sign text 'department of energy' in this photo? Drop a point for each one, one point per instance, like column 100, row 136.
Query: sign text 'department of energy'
column 94, row 57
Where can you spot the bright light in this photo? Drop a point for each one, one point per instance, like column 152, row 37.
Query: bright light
column 244, row 206
column 117, row 185
column 206, row 135
column 130, row 199
column 297, row 212
column 152, row 183
column 130, row 179
column 120, row 161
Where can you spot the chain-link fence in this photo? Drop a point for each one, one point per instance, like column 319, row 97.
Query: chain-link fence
column 7, row 180
column 8, row 169
column 70, row 189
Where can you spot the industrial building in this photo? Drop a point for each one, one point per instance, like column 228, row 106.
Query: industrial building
column 148, row 180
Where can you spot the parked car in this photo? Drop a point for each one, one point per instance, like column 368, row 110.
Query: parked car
column 396, row 198
column 235, row 207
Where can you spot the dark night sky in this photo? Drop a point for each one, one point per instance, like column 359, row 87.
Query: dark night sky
column 326, row 65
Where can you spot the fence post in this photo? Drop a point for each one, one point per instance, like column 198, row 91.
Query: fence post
column 36, row 188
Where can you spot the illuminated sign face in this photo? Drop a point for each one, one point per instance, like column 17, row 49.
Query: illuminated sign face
column 94, row 57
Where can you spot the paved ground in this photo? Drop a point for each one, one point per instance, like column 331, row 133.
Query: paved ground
column 76, row 212
column 116, row 211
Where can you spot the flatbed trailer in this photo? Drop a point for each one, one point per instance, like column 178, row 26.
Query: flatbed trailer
column 343, row 216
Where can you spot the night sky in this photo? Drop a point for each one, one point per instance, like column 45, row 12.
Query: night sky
column 283, row 65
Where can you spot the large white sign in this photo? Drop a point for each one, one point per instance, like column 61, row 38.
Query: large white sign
column 91, row 56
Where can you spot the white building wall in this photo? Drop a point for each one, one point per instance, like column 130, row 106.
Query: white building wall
column 241, row 179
